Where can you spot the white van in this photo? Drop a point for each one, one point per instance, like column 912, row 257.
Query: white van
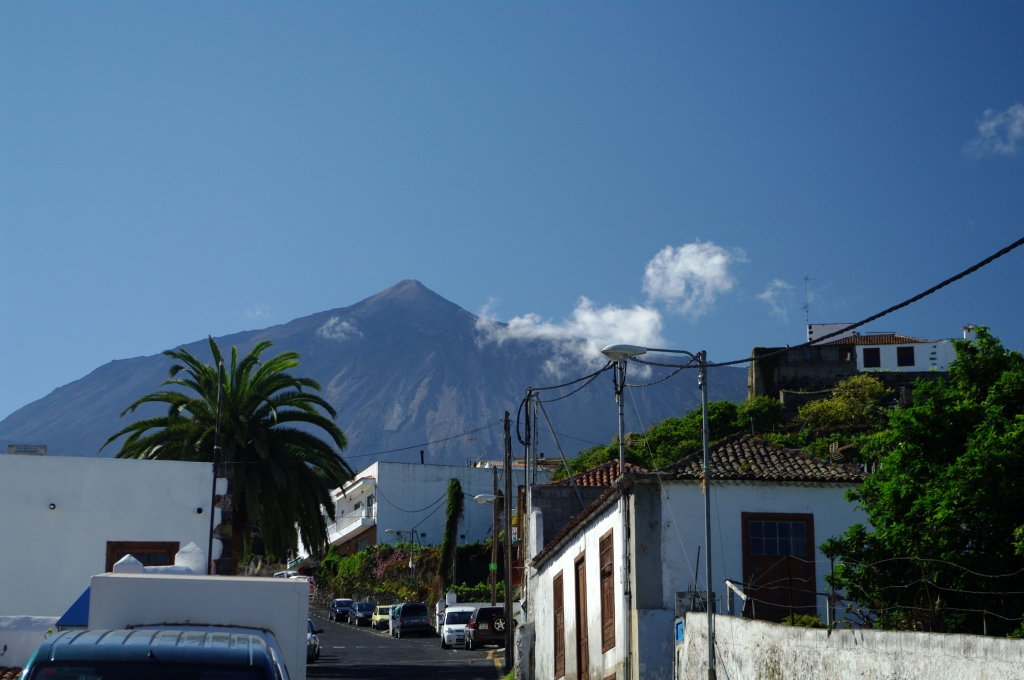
column 452, row 627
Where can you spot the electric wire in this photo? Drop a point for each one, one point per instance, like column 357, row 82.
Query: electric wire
column 592, row 377
column 885, row 312
column 436, row 441
column 411, row 512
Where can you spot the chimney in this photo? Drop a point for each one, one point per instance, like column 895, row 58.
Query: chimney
column 968, row 331
column 421, row 457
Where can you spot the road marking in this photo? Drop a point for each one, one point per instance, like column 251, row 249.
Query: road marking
column 497, row 664
column 339, row 648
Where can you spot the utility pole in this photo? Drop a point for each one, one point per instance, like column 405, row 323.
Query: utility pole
column 216, row 459
column 494, row 540
column 507, row 507
column 627, row 594
column 702, row 357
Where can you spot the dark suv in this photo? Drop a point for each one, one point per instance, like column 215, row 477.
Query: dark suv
column 361, row 613
column 410, row 618
column 486, row 626
column 338, row 611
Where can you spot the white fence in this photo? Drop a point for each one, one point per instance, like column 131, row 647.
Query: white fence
column 757, row 650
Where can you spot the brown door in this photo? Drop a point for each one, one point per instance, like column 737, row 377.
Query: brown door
column 778, row 565
column 582, row 646
column 558, row 605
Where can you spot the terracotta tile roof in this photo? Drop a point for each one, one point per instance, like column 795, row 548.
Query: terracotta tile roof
column 601, row 475
column 743, row 457
column 886, row 339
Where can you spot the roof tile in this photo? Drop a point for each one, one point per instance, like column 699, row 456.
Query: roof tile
column 743, row 457
column 602, row 475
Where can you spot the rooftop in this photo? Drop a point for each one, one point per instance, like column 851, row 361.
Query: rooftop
column 876, row 339
column 601, row 475
column 744, row 457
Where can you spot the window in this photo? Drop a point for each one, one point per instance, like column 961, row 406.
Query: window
column 606, row 564
column 872, row 357
column 904, row 356
column 150, row 553
column 778, row 565
column 778, row 538
column 558, row 604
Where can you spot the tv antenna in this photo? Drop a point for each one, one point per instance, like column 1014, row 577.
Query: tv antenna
column 807, row 305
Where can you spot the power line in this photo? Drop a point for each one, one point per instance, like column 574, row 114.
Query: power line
column 436, row 441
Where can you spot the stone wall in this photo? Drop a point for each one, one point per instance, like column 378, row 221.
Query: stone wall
column 757, row 650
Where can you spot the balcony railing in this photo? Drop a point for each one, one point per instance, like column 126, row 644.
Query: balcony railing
column 363, row 517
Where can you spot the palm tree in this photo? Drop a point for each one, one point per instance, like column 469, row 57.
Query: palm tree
column 281, row 470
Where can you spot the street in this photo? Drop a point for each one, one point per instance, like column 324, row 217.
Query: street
column 367, row 654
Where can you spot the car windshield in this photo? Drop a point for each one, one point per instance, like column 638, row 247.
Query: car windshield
column 88, row 670
column 457, row 617
column 414, row 610
column 343, row 603
column 364, row 606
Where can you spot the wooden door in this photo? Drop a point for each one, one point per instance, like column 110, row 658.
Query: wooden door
column 558, row 607
column 778, row 565
column 582, row 644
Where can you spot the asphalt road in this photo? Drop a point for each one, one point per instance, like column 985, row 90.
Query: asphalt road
column 367, row 654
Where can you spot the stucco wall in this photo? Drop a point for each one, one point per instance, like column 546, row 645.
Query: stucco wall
column 405, row 487
column 755, row 650
column 602, row 665
column 682, row 529
column 49, row 555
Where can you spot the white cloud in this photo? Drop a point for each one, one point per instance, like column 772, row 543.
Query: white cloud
column 774, row 294
column 579, row 338
column 336, row 329
column 998, row 133
column 690, row 276
column 258, row 312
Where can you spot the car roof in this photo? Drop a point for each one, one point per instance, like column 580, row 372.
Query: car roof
column 460, row 608
column 171, row 646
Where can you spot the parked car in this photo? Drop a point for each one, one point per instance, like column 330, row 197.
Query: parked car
column 381, row 616
column 486, row 627
column 312, row 642
column 452, row 626
column 361, row 613
column 339, row 609
column 186, row 652
column 410, row 618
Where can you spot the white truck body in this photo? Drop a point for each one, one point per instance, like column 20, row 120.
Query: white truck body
column 279, row 606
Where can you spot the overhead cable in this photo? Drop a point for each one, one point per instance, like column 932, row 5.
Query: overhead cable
column 436, row 441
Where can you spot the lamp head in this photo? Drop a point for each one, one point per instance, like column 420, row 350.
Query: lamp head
column 620, row 352
column 484, row 498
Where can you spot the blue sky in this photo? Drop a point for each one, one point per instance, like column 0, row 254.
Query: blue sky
column 172, row 170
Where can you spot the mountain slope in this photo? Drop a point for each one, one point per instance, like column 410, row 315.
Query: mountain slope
column 402, row 367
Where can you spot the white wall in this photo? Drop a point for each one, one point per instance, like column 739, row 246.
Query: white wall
column 832, row 516
column 752, row 650
column 49, row 556
column 411, row 495
column 541, row 606
column 927, row 356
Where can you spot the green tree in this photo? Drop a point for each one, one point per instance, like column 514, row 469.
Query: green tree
column 944, row 507
column 763, row 413
column 282, row 471
column 452, row 516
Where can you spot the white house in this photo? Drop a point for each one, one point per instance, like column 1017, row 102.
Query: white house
column 770, row 510
column 64, row 519
column 409, row 499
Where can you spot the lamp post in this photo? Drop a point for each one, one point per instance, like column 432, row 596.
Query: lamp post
column 216, row 459
column 620, row 354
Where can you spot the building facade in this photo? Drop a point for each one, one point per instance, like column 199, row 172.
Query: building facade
column 771, row 509
column 65, row 519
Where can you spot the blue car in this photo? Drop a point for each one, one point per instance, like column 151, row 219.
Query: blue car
column 155, row 654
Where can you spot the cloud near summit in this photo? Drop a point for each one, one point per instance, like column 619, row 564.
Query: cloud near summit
column 691, row 276
column 687, row 278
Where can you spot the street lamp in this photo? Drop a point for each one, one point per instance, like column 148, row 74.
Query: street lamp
column 620, row 354
column 484, row 498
